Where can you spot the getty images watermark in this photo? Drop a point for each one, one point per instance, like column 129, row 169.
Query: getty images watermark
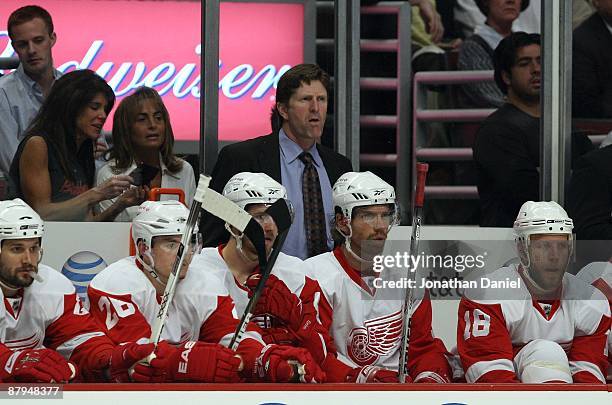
column 408, row 265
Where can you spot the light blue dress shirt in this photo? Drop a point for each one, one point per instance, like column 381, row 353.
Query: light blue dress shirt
column 292, row 169
column 20, row 100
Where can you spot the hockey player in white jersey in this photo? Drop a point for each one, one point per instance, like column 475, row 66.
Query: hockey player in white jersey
column 552, row 328
column 47, row 336
column 201, row 321
column 285, row 310
column 599, row 275
column 365, row 322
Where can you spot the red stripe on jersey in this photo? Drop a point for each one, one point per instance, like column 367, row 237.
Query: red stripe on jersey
column 220, row 322
column 426, row 353
column 352, row 273
column 604, row 287
column 591, row 349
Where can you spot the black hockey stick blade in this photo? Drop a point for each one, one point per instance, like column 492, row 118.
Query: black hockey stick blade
column 281, row 213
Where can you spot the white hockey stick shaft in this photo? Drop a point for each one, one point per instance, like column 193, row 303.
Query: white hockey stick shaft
column 183, row 251
column 417, row 213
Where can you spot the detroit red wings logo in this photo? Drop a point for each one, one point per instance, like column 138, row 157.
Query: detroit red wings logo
column 378, row 337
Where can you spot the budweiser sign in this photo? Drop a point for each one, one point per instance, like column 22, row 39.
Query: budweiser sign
column 157, row 44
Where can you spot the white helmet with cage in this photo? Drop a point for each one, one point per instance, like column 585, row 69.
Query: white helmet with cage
column 540, row 218
column 158, row 218
column 19, row 221
column 359, row 189
column 253, row 188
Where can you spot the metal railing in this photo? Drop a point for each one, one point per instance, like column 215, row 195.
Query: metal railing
column 421, row 116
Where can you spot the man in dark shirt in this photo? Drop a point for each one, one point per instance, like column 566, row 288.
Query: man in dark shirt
column 507, row 146
column 592, row 64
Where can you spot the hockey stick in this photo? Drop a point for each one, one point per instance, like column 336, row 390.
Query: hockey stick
column 281, row 214
column 417, row 212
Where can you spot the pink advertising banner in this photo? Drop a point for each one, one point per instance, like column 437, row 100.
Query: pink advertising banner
column 157, row 44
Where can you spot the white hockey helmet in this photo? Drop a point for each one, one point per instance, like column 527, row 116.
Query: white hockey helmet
column 357, row 189
column 159, row 218
column 253, row 188
column 542, row 217
column 19, row 221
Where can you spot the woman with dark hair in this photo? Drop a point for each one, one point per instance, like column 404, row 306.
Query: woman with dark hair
column 53, row 169
column 143, row 143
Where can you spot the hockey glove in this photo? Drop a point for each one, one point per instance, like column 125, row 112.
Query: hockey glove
column 196, row 362
column 287, row 364
column 373, row 374
column 299, row 319
column 35, row 365
column 125, row 356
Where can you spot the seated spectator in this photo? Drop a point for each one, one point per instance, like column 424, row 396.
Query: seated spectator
column 467, row 16
column 507, row 146
column 589, row 196
column 53, row 169
column 476, row 53
column 592, row 64
column 142, row 135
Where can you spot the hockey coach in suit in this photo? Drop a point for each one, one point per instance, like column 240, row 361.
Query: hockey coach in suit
column 291, row 155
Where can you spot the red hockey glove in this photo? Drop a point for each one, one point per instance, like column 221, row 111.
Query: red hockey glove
column 125, row 356
column 35, row 365
column 279, row 336
column 373, row 374
column 276, row 300
column 196, row 362
column 287, row 364
column 300, row 319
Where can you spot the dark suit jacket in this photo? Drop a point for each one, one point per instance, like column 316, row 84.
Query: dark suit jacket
column 261, row 154
column 589, row 197
column 592, row 69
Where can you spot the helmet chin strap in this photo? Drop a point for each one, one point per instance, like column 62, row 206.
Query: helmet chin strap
column 9, row 287
column 150, row 269
column 238, row 239
column 347, row 244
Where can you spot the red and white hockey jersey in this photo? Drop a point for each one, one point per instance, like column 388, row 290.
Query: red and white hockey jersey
column 50, row 315
column 599, row 275
column 495, row 324
column 366, row 324
column 288, row 269
column 125, row 304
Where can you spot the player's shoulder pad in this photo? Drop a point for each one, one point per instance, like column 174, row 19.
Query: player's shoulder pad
column 210, row 260
column 291, row 271
column 488, row 287
column 576, row 289
column 54, row 282
column 596, row 270
column 120, row 278
column 200, row 280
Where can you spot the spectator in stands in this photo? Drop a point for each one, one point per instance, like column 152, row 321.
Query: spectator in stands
column 53, row 168
column 468, row 16
column 143, row 140
column 507, row 147
column 589, row 197
column 592, row 64
column 291, row 155
column 427, row 10
column 476, row 53
column 30, row 29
